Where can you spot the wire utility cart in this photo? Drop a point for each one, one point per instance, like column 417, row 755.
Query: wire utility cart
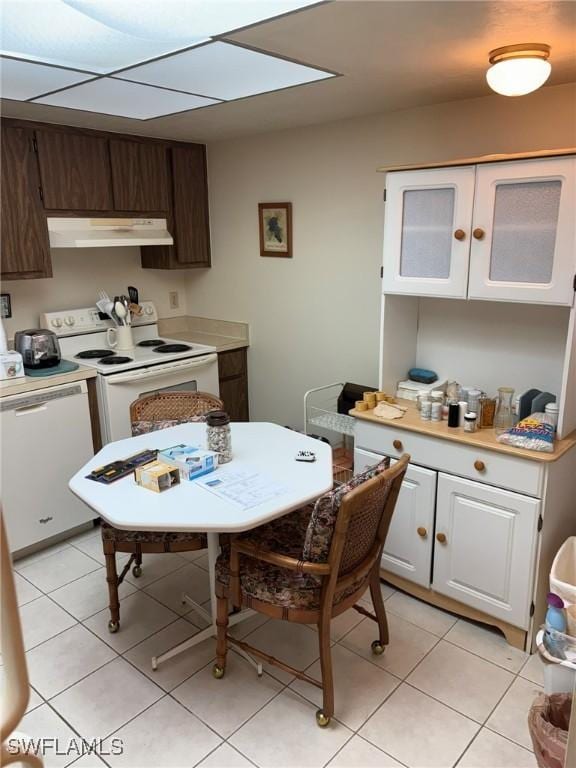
column 322, row 419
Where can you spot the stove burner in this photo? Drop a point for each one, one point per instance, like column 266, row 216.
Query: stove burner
column 150, row 343
column 91, row 354
column 115, row 360
column 167, row 348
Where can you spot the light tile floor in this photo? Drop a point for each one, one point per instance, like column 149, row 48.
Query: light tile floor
column 445, row 693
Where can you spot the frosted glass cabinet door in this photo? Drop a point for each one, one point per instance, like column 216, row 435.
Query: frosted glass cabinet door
column 523, row 244
column 427, row 231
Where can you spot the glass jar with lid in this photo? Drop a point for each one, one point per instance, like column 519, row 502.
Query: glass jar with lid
column 218, row 435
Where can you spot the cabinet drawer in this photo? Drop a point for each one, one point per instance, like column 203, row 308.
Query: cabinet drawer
column 485, row 466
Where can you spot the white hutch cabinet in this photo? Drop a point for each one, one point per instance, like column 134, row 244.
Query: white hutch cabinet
column 500, row 231
column 478, row 523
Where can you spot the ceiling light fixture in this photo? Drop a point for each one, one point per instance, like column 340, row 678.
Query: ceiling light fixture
column 518, row 69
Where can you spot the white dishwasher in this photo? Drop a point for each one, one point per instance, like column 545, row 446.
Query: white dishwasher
column 46, row 436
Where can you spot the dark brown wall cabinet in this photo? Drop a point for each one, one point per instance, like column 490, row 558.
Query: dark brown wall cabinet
column 58, row 171
column 233, row 381
column 75, row 171
column 188, row 221
column 24, row 233
column 139, row 176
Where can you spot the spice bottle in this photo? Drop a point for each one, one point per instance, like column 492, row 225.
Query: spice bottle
column 470, row 422
column 218, row 435
column 486, row 411
column 551, row 415
column 453, row 414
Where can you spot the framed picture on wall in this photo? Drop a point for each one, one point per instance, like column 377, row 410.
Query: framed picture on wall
column 275, row 224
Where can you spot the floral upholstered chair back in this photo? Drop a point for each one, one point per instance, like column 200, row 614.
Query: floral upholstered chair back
column 169, row 409
column 323, row 520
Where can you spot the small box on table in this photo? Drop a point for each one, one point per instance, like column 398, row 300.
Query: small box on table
column 157, row 476
column 192, row 461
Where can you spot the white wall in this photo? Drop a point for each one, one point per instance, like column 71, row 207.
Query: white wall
column 79, row 273
column 525, row 344
column 315, row 318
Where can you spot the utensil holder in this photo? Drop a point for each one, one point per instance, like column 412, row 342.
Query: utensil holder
column 120, row 338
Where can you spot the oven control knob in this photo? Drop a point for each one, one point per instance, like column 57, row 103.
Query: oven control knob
column 149, row 310
column 56, row 323
column 69, row 320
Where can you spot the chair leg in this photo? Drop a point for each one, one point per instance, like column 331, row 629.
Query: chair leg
column 221, row 641
column 112, row 579
column 324, row 715
column 137, row 570
column 378, row 645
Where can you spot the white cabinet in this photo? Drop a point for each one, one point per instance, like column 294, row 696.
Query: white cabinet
column 485, row 548
column 408, row 546
column 458, row 540
column 427, row 232
column 500, row 231
column 523, row 239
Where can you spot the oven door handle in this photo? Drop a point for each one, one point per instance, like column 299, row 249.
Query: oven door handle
column 161, row 370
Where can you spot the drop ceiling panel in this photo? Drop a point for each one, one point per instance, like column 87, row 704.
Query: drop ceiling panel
column 117, row 97
column 22, row 80
column 224, row 71
column 102, row 36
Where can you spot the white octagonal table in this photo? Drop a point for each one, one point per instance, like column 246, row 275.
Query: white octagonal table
column 267, row 448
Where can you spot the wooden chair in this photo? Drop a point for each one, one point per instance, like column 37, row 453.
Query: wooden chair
column 311, row 566
column 147, row 414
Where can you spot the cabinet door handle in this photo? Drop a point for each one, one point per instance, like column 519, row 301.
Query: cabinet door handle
column 479, row 466
column 398, row 445
column 422, row 532
column 459, row 234
column 441, row 537
column 478, row 233
column 45, row 519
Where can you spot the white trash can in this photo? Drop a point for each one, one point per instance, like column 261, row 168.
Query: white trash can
column 563, row 580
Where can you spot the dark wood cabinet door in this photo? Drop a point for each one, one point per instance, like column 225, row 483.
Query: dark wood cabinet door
column 234, row 395
column 75, row 171
column 24, row 232
column 233, row 382
column 190, row 191
column 139, row 176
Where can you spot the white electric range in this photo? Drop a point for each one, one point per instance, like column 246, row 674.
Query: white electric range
column 154, row 364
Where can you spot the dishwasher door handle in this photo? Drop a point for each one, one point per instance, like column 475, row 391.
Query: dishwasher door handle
column 28, row 410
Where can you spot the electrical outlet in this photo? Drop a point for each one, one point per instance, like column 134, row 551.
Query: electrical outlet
column 174, row 299
column 5, row 305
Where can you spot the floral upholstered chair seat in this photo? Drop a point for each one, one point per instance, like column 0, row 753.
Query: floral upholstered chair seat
column 109, row 533
column 305, row 534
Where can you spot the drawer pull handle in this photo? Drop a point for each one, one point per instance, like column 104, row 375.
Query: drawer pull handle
column 479, row 466
column 45, row 519
column 441, row 537
column 478, row 233
column 459, row 234
column 422, row 532
column 398, row 445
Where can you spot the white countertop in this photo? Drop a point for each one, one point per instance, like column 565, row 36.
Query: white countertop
column 268, row 448
column 223, row 334
column 32, row 383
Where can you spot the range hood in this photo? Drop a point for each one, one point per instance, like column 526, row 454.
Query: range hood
column 105, row 233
